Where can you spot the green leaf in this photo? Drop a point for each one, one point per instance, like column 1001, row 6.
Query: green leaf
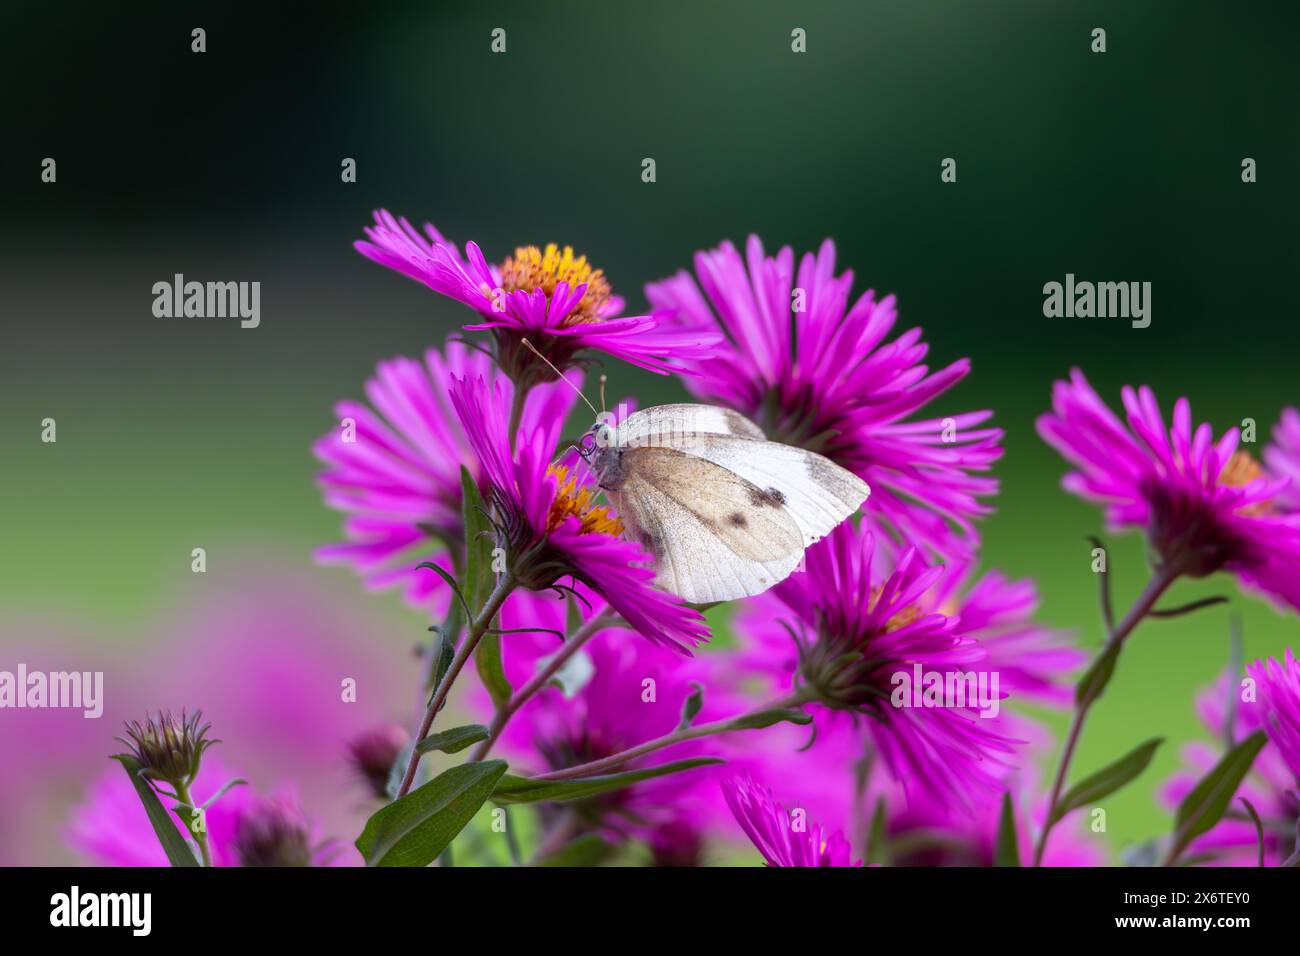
column 414, row 830
column 1108, row 779
column 454, row 740
column 573, row 614
column 477, row 585
column 878, row 841
column 1259, row 827
column 766, row 718
column 441, row 648
column 1187, row 608
column 513, row 789
column 1098, row 676
column 1210, row 798
column 1107, row 613
column 448, row 577
column 230, row 785
column 1008, row 847
column 478, row 540
column 174, row 845
column 691, row 706
column 491, row 670
column 397, row 773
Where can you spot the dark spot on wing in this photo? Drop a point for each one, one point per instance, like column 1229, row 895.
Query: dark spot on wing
column 736, row 520
column 651, row 544
column 771, row 498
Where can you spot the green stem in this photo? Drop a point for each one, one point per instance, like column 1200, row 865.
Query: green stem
column 797, row 699
column 542, row 678
column 200, row 835
column 476, row 632
column 1159, row 583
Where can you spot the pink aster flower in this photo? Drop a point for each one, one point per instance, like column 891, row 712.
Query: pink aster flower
column 1205, row 505
column 373, row 754
column 112, row 829
column 553, row 530
column 815, row 371
column 857, row 628
column 395, row 470
column 552, row 297
column 1282, row 458
column 274, row 831
column 1279, row 696
column 1271, row 784
column 1035, row 662
column 784, row 839
column 593, row 707
column 920, row 831
column 617, row 694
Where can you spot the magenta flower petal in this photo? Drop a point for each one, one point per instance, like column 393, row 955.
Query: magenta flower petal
column 553, row 529
column 861, row 621
column 1279, row 696
column 1204, row 504
column 628, row 692
column 782, row 838
column 1271, row 784
column 550, row 296
column 1282, row 458
column 396, row 473
column 815, row 371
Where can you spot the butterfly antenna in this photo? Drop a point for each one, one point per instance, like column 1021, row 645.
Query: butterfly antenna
column 571, row 446
column 529, row 346
column 602, row 392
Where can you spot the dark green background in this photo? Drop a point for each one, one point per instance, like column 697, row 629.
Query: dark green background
column 179, row 433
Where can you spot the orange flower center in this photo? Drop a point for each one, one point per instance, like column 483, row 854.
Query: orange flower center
column 901, row 619
column 578, row 502
column 532, row 268
column 1241, row 470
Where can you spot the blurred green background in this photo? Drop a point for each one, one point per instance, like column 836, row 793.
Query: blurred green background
column 174, row 434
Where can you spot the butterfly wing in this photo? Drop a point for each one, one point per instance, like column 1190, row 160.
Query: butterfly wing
column 817, row 493
column 715, row 535
column 657, row 425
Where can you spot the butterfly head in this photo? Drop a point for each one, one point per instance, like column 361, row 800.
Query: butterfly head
column 601, row 450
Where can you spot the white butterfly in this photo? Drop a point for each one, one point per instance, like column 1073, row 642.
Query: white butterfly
column 726, row 513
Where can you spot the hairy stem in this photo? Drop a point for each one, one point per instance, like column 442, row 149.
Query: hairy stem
column 476, row 631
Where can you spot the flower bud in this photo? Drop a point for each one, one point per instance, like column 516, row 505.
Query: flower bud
column 373, row 754
column 273, row 832
column 168, row 748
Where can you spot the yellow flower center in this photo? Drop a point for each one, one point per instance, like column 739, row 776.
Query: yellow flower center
column 530, row 268
column 1241, row 470
column 901, row 619
column 578, row 502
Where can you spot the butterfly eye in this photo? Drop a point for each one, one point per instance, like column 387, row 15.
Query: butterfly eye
column 587, row 445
